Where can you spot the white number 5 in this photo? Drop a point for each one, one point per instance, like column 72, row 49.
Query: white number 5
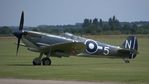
column 106, row 50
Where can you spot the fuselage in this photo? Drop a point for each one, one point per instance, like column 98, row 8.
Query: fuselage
column 34, row 40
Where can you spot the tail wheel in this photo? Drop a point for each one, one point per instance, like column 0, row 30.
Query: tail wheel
column 46, row 61
column 37, row 61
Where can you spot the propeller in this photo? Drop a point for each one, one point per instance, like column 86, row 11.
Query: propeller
column 21, row 21
column 19, row 33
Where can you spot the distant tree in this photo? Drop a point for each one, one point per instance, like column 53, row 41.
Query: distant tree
column 114, row 18
column 95, row 21
column 86, row 23
column 5, row 30
column 111, row 24
column 125, row 29
column 114, row 23
column 133, row 29
column 35, row 29
column 100, row 23
column 95, row 26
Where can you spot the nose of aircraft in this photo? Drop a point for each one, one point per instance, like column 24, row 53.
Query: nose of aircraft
column 17, row 34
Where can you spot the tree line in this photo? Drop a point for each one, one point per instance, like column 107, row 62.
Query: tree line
column 89, row 26
column 114, row 26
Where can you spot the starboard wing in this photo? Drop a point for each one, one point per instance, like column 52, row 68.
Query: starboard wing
column 71, row 48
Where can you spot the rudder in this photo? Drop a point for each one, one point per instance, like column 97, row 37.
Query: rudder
column 131, row 43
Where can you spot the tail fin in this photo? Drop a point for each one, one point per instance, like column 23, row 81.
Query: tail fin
column 131, row 43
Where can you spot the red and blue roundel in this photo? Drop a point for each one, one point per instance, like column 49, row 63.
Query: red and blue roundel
column 91, row 46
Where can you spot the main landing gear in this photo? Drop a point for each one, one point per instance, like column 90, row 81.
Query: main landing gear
column 126, row 60
column 44, row 61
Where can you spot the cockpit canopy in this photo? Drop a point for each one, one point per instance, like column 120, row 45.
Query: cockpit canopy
column 68, row 35
column 71, row 36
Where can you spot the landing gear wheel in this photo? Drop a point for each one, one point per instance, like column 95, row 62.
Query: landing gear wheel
column 127, row 61
column 46, row 61
column 37, row 61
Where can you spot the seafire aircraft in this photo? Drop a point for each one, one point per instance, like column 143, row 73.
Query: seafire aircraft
column 68, row 44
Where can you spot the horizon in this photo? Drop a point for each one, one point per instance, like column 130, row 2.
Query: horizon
column 62, row 24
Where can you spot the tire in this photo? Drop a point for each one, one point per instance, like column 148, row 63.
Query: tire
column 37, row 61
column 127, row 61
column 46, row 61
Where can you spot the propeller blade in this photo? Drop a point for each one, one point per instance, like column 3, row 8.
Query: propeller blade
column 18, row 44
column 21, row 21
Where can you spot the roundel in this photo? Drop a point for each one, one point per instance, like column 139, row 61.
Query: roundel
column 91, row 46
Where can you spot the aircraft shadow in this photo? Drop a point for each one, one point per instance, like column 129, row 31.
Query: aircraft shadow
column 41, row 65
column 19, row 65
column 81, row 64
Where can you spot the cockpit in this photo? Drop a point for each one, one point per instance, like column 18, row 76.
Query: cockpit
column 71, row 36
column 68, row 35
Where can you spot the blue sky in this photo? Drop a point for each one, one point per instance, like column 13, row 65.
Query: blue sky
column 59, row 12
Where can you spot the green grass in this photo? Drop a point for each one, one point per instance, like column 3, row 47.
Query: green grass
column 76, row 68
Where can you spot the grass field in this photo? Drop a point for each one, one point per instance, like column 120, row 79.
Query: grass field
column 76, row 68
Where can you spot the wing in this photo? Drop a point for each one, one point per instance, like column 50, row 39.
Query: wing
column 71, row 48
